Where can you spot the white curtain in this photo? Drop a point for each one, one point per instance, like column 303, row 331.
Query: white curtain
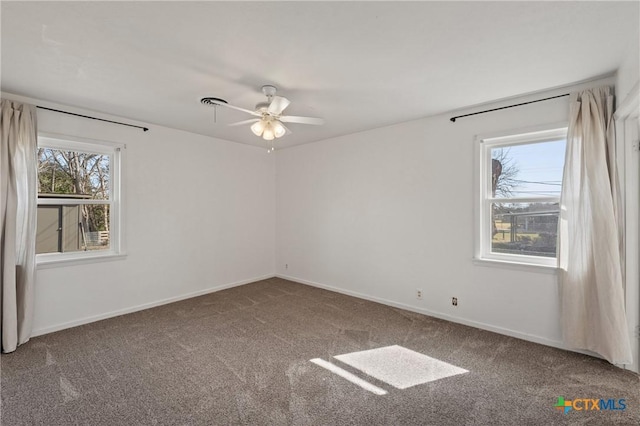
column 593, row 307
column 18, row 207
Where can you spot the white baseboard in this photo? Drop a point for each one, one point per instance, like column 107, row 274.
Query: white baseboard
column 483, row 326
column 94, row 318
column 435, row 314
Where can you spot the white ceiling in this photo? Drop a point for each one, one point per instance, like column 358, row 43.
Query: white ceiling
column 359, row 65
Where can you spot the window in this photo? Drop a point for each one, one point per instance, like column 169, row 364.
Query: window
column 78, row 199
column 520, row 185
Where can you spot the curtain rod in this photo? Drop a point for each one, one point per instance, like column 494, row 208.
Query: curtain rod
column 453, row 119
column 144, row 129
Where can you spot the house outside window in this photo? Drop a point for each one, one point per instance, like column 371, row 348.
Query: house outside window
column 520, row 182
column 79, row 199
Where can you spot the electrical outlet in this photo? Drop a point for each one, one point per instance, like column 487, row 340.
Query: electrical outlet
column 418, row 294
column 454, row 301
column 286, row 266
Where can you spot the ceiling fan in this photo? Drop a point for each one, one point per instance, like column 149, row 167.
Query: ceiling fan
column 269, row 121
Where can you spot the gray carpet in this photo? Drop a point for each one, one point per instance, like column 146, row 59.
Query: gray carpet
column 242, row 356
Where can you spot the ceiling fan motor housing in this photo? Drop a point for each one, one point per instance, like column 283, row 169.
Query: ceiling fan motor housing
column 269, row 91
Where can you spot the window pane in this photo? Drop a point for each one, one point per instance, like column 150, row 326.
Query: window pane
column 69, row 228
column 525, row 228
column 531, row 170
column 79, row 174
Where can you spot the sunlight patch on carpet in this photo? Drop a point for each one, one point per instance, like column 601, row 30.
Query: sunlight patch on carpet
column 400, row 367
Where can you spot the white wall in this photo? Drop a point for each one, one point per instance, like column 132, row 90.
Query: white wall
column 199, row 215
column 382, row 213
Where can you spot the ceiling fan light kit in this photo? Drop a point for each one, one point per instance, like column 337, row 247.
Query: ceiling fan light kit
column 268, row 125
column 268, row 129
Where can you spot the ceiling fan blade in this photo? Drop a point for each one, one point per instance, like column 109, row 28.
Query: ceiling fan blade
column 221, row 102
column 240, row 123
column 301, row 120
column 248, row 111
column 277, row 105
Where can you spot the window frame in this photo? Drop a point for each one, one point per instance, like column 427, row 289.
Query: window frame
column 484, row 200
column 116, row 153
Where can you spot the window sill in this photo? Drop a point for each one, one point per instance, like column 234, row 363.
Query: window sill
column 528, row 267
column 56, row 261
